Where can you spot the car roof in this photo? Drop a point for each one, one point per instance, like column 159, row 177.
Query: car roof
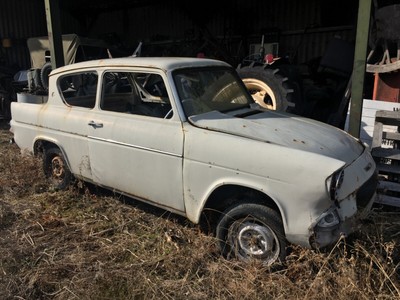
column 163, row 63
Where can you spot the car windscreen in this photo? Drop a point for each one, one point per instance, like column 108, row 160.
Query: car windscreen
column 202, row 90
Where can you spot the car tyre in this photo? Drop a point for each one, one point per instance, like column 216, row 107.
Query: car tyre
column 44, row 75
column 250, row 231
column 56, row 169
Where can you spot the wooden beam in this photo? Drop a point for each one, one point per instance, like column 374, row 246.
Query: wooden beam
column 360, row 56
column 54, row 33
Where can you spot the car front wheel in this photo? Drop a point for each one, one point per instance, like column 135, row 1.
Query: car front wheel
column 249, row 231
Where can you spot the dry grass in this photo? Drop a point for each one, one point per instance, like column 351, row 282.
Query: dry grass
column 81, row 244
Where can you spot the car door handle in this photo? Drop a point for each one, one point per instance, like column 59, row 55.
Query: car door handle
column 95, row 125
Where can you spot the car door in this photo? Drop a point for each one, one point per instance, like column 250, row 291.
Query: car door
column 135, row 141
column 67, row 119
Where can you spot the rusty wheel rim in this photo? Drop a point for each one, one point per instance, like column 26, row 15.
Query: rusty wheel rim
column 57, row 169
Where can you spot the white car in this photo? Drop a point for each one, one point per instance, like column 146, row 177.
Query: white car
column 184, row 134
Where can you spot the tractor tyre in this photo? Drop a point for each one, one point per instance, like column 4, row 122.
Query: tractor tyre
column 268, row 87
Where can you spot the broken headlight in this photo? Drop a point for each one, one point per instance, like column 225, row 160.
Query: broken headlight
column 328, row 219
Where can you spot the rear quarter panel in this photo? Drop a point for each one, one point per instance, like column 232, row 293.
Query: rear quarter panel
column 58, row 124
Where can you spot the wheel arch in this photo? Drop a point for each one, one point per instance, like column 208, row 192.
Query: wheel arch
column 227, row 195
column 41, row 144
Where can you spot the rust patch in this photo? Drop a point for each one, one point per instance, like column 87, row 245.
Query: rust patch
column 296, row 141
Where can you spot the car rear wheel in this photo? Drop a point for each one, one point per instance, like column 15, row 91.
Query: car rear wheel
column 56, row 169
column 250, row 231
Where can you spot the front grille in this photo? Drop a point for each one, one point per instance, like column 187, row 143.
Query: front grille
column 367, row 190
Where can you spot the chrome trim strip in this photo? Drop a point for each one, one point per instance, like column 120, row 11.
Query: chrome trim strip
column 134, row 146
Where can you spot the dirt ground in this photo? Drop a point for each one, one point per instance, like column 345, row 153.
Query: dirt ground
column 86, row 243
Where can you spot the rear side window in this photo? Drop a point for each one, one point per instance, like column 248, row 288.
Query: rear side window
column 79, row 89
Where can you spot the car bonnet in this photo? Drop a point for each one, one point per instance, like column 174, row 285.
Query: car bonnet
column 284, row 129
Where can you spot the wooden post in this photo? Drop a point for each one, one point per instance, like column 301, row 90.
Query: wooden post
column 364, row 14
column 54, row 33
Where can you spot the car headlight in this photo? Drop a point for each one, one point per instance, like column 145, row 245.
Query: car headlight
column 335, row 183
column 328, row 219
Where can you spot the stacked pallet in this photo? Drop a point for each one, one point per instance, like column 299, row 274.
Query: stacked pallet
column 386, row 152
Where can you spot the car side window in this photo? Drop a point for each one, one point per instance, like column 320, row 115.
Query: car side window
column 135, row 93
column 79, row 89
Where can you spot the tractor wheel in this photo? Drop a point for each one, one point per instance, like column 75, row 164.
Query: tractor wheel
column 268, row 87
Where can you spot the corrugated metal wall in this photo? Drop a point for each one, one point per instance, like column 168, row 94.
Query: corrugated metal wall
column 298, row 26
column 19, row 20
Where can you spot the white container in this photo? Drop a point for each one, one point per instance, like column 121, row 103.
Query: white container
column 29, row 98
